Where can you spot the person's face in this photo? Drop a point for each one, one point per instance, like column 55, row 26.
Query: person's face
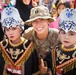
column 13, row 33
column 60, row 8
column 67, row 39
column 46, row 1
column 27, row 2
column 72, row 3
column 40, row 25
column 7, row 2
column 1, row 0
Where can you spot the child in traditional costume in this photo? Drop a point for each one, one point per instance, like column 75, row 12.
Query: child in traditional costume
column 64, row 55
column 18, row 53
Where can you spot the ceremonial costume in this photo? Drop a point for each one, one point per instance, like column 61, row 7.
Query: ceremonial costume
column 64, row 56
column 64, row 59
column 19, row 53
column 19, row 59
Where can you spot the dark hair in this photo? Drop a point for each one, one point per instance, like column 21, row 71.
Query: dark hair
column 57, row 1
column 66, row 4
column 0, row 15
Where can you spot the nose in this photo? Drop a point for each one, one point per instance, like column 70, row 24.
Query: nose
column 38, row 23
column 10, row 32
column 66, row 36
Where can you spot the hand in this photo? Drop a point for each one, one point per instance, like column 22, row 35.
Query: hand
column 42, row 67
column 34, row 4
column 50, row 73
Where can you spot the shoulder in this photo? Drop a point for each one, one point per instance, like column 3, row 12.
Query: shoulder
column 28, row 33
column 53, row 37
column 57, row 47
column 28, row 44
column 4, row 42
column 53, row 32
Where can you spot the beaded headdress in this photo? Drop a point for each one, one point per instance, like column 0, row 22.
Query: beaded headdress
column 67, row 20
column 10, row 18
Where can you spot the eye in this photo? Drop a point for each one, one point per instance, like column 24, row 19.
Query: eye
column 42, row 20
column 71, row 33
column 14, row 28
column 34, row 22
column 6, row 29
column 63, row 32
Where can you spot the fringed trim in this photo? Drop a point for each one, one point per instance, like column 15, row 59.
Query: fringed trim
column 4, row 71
column 71, row 61
column 69, row 66
column 53, row 61
column 21, row 60
column 66, row 66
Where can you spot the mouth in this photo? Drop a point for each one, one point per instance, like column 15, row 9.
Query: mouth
column 39, row 29
column 66, row 41
column 11, row 36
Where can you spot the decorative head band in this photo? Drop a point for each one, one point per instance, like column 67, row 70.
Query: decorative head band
column 67, row 20
column 10, row 18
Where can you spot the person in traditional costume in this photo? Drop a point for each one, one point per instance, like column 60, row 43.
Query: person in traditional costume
column 43, row 37
column 64, row 54
column 59, row 6
column 19, row 54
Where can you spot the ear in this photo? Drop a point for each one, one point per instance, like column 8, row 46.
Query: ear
column 49, row 22
column 59, row 34
column 21, row 30
column 5, row 33
column 5, row 36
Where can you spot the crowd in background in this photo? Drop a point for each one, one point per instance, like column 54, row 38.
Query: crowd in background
column 25, row 6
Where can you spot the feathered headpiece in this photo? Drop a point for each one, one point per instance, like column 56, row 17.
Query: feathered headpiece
column 10, row 18
column 67, row 20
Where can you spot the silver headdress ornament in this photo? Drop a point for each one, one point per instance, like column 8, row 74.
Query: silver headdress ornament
column 67, row 20
column 10, row 18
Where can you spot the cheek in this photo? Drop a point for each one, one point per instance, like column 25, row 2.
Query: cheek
column 27, row 1
column 61, row 37
column 58, row 12
column 6, row 33
column 73, row 40
column 34, row 27
column 19, row 31
column 46, row 24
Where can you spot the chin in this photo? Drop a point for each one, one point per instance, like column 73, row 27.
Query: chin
column 68, row 46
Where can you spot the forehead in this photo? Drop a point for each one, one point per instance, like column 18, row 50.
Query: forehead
column 11, row 27
column 7, row 1
column 62, row 5
column 68, row 31
column 39, row 19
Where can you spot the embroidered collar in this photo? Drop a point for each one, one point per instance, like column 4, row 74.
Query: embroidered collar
column 22, row 40
column 68, row 50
